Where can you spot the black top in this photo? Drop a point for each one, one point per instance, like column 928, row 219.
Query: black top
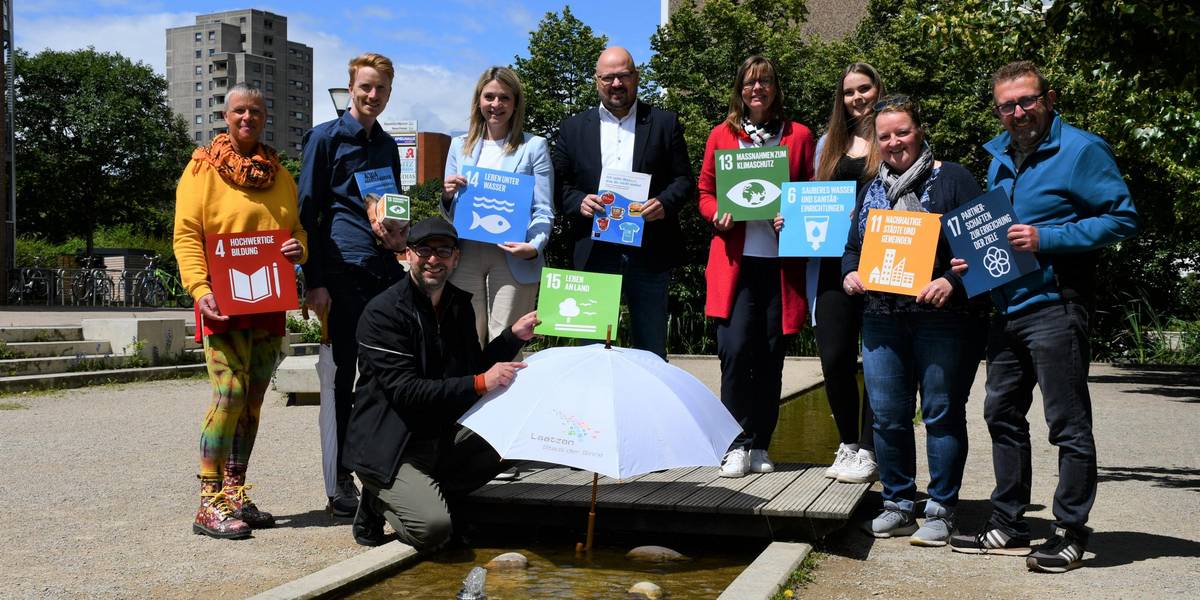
column 850, row 169
column 847, row 169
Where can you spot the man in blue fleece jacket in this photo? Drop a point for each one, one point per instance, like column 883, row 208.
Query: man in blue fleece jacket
column 1071, row 201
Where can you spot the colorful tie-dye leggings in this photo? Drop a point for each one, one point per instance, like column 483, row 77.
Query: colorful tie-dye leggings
column 240, row 365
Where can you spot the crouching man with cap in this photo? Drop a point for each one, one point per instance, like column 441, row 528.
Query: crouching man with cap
column 420, row 368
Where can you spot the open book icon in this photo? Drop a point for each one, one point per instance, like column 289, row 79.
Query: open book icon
column 254, row 286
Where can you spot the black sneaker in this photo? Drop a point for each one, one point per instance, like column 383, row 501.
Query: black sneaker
column 345, row 504
column 990, row 541
column 1059, row 554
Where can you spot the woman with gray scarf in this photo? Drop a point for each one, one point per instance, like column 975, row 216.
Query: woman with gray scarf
column 932, row 342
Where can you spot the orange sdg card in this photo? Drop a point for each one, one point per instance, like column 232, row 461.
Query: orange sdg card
column 249, row 274
column 898, row 251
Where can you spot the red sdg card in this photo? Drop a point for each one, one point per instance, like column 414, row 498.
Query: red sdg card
column 249, row 274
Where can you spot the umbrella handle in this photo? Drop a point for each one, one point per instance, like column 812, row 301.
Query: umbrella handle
column 607, row 345
column 591, row 528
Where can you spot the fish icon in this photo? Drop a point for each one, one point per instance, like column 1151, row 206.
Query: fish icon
column 493, row 223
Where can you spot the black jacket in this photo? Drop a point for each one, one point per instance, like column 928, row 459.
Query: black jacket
column 415, row 373
column 659, row 150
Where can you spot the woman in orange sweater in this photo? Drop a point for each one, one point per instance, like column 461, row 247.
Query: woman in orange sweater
column 235, row 185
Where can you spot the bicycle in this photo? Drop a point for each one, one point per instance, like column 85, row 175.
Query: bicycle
column 92, row 283
column 30, row 284
column 154, row 286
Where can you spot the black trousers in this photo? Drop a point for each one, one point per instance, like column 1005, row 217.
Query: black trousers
column 1048, row 346
column 349, row 291
column 839, row 321
column 750, row 345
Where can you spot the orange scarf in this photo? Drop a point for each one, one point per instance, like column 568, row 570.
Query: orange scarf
column 257, row 171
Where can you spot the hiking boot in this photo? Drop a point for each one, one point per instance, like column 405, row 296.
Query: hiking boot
column 234, row 488
column 893, row 521
column 841, row 458
column 990, row 541
column 861, row 468
column 936, row 530
column 1061, row 553
column 734, row 463
column 344, row 504
column 760, row 462
column 215, row 517
column 368, row 521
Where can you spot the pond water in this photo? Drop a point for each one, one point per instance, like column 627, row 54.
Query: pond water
column 805, row 434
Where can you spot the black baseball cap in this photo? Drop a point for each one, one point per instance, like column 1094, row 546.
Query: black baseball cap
column 431, row 228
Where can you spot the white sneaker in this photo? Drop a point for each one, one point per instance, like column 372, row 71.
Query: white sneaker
column 760, row 462
column 841, row 458
column 734, row 463
column 860, row 469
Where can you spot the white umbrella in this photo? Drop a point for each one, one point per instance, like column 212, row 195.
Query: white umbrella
column 615, row 411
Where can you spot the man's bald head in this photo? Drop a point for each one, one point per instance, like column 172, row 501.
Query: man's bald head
column 616, row 80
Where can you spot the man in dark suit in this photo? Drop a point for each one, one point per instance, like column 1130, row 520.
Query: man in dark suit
column 626, row 134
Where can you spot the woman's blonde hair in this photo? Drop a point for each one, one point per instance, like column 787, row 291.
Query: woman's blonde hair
column 837, row 135
column 755, row 66
column 478, row 126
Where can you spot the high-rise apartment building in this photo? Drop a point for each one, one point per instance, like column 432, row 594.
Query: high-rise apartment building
column 222, row 49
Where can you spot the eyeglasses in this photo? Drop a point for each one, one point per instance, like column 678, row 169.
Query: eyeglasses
column 427, row 251
column 1025, row 102
column 891, row 101
column 625, row 77
column 763, row 81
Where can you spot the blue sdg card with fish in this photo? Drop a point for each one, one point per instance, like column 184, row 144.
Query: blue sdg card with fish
column 494, row 207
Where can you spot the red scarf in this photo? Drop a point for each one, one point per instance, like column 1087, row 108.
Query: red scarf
column 255, row 171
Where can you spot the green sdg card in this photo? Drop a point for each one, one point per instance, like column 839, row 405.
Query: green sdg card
column 396, row 206
column 578, row 304
column 748, row 182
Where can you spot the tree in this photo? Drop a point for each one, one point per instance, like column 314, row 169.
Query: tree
column 96, row 144
column 558, row 74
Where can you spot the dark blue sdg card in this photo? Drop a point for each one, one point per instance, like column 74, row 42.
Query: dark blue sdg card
column 494, row 207
column 978, row 232
column 816, row 217
column 623, row 195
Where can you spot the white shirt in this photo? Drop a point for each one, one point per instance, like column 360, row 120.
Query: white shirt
column 491, row 153
column 761, row 239
column 616, row 139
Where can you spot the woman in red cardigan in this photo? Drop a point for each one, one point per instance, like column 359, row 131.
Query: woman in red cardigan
column 756, row 296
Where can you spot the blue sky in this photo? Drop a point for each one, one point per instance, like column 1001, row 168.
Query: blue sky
column 439, row 46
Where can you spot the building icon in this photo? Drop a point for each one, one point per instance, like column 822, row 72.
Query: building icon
column 891, row 272
column 222, row 49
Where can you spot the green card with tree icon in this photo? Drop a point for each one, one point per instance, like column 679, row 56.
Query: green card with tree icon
column 578, row 304
column 749, row 180
column 397, row 206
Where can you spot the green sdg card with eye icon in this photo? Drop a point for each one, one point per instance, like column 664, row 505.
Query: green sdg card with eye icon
column 816, row 218
column 396, row 206
column 749, row 180
column 578, row 304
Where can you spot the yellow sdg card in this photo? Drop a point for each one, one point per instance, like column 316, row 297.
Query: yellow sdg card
column 898, row 251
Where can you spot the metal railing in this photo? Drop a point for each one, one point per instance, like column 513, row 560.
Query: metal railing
column 37, row 286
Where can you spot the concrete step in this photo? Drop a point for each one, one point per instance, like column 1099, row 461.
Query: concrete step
column 302, row 349
column 67, row 348
column 22, row 383
column 297, row 374
column 61, row 364
column 10, row 335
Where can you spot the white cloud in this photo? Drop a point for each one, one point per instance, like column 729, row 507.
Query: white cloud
column 139, row 37
column 437, row 97
column 521, row 17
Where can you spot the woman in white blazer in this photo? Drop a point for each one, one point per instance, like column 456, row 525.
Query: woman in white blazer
column 502, row 278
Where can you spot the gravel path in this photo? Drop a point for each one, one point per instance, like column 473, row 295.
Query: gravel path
column 1146, row 517
column 100, row 491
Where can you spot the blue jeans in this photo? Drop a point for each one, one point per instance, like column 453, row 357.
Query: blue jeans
column 1046, row 345
column 938, row 354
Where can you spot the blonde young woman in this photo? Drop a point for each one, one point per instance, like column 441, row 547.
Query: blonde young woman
column 846, row 152
column 502, row 278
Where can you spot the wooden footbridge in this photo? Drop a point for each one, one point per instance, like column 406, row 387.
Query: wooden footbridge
column 796, row 502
